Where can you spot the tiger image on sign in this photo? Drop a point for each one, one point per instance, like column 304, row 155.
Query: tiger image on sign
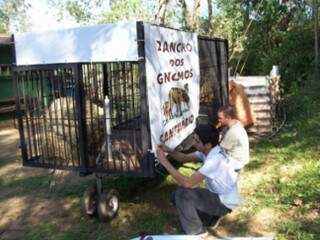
column 178, row 103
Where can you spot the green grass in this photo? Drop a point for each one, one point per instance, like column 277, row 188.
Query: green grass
column 41, row 231
column 289, row 172
column 299, row 230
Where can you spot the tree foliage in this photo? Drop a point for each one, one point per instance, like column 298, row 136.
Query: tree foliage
column 128, row 10
column 160, row 16
column 13, row 13
column 262, row 33
column 82, row 11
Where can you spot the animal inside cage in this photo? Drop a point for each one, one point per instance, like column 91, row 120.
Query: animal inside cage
column 98, row 99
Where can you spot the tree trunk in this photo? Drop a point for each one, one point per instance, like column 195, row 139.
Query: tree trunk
column 210, row 25
column 185, row 14
column 316, row 45
column 196, row 15
column 161, row 15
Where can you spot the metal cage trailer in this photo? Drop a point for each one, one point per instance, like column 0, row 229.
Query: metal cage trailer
column 98, row 99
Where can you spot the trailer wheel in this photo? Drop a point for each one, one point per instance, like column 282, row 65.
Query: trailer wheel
column 108, row 205
column 90, row 200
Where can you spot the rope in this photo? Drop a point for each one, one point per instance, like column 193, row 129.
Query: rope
column 275, row 132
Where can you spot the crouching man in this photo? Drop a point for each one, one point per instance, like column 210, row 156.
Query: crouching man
column 202, row 207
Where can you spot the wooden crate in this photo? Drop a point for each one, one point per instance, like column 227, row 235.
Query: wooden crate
column 261, row 99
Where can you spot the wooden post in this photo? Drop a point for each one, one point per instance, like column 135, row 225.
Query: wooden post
column 316, row 54
column 274, row 84
column 274, row 90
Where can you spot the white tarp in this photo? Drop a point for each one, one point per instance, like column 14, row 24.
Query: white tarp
column 172, row 69
column 192, row 237
column 100, row 43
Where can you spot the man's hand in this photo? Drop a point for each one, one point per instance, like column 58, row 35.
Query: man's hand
column 178, row 156
column 165, row 148
column 161, row 156
column 184, row 181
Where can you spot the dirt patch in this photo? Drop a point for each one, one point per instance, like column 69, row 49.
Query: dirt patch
column 261, row 224
column 11, row 209
column 8, row 124
column 264, row 222
column 9, row 140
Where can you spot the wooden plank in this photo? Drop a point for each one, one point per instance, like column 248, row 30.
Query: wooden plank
column 263, row 123
column 262, row 114
column 7, row 109
column 257, row 91
column 258, row 99
column 267, row 97
column 8, row 101
column 253, row 87
column 259, row 129
column 252, row 81
column 260, row 106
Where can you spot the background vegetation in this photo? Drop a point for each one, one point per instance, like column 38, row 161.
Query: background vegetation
column 261, row 33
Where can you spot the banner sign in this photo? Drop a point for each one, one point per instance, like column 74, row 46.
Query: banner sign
column 173, row 83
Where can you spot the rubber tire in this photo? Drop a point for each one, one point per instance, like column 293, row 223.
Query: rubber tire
column 108, row 205
column 90, row 200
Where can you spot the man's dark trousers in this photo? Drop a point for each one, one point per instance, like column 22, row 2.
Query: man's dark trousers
column 194, row 206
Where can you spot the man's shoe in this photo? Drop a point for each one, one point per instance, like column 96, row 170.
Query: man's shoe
column 202, row 235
